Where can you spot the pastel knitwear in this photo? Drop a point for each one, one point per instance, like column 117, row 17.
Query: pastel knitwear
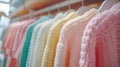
column 32, row 45
column 27, row 40
column 53, row 36
column 10, row 58
column 10, row 44
column 16, row 34
column 3, row 46
column 68, row 50
column 7, row 36
column 38, row 49
column 5, row 43
column 19, row 37
column 101, row 40
column 41, row 40
column 15, row 44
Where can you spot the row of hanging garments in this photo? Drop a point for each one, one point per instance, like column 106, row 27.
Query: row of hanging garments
column 82, row 38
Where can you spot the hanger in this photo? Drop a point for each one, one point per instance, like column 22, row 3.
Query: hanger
column 69, row 9
column 82, row 9
column 107, row 4
column 50, row 14
column 59, row 10
column 31, row 13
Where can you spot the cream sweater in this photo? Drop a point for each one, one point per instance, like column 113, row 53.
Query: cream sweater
column 53, row 36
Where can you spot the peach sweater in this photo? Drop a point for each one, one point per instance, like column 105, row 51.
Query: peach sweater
column 68, row 48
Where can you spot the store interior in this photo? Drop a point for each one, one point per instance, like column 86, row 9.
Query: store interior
column 85, row 33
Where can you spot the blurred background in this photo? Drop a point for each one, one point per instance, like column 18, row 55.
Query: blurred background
column 4, row 22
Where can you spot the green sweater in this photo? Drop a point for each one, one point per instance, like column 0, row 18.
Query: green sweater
column 27, row 40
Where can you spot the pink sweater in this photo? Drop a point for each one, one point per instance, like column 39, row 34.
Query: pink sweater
column 19, row 37
column 101, row 40
column 12, row 39
column 5, row 39
column 68, row 47
column 9, row 37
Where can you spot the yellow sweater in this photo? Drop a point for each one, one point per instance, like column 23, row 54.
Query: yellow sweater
column 52, row 40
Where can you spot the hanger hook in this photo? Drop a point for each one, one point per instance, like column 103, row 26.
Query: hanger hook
column 69, row 7
column 58, row 9
column 49, row 12
column 31, row 13
column 82, row 2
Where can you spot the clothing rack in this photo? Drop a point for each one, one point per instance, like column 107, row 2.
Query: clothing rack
column 47, row 9
column 53, row 7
